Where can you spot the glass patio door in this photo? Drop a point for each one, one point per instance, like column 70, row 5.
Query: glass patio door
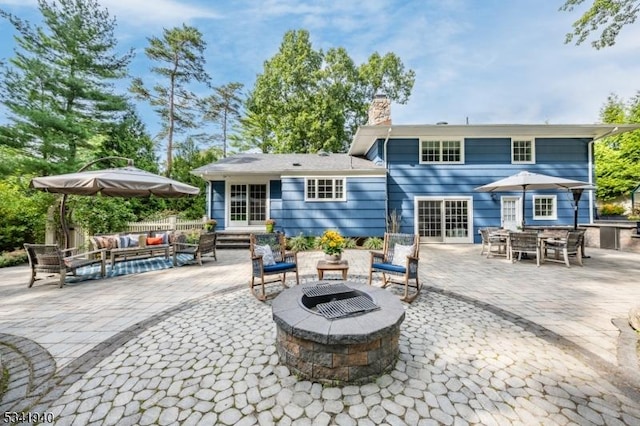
column 247, row 204
column 510, row 213
column 443, row 220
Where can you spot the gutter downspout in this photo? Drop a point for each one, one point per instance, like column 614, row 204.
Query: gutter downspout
column 590, row 147
column 386, row 185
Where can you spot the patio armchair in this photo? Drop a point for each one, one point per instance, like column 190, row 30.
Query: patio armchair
column 524, row 242
column 398, row 258
column 491, row 243
column 569, row 246
column 50, row 259
column 269, row 257
column 206, row 244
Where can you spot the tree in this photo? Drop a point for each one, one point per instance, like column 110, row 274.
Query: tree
column 307, row 100
column 223, row 108
column 188, row 158
column 617, row 158
column 610, row 14
column 180, row 54
column 58, row 89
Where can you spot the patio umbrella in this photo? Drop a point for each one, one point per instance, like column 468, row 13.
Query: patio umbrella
column 118, row 182
column 527, row 180
column 129, row 182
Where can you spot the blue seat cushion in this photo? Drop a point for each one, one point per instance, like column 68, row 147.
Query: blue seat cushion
column 388, row 267
column 280, row 266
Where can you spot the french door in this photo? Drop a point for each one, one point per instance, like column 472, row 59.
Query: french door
column 444, row 220
column 247, row 204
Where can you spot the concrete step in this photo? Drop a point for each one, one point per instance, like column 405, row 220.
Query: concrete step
column 238, row 241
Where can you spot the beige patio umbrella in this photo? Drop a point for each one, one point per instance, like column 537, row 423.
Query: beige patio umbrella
column 129, row 182
column 118, row 182
column 527, row 180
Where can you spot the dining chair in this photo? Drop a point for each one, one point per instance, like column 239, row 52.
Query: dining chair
column 524, row 242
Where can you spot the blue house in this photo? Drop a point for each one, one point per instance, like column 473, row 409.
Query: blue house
column 425, row 174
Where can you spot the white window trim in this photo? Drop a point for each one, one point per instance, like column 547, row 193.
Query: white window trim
column 333, row 189
column 533, row 149
column 554, row 215
column 441, row 139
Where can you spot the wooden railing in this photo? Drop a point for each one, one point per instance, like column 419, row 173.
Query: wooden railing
column 171, row 223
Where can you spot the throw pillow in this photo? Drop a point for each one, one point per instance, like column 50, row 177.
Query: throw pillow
column 400, row 254
column 123, row 241
column 132, row 240
column 154, row 241
column 266, row 253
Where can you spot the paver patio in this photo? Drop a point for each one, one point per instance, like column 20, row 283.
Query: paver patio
column 487, row 342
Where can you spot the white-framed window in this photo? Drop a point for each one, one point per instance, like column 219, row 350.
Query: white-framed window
column 325, row 189
column 442, row 151
column 523, row 151
column 545, row 207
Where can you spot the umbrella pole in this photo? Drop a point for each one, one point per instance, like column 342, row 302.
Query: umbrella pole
column 63, row 222
column 524, row 192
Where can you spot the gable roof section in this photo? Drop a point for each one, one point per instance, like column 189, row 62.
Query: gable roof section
column 367, row 135
column 288, row 165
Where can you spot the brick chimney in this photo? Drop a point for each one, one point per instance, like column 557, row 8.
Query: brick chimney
column 380, row 111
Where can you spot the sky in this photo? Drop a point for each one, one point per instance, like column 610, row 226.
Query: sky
column 476, row 61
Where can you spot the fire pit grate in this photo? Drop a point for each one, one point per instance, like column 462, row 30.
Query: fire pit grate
column 325, row 290
column 346, row 307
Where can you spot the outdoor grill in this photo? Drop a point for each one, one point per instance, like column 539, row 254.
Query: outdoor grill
column 336, row 300
column 337, row 332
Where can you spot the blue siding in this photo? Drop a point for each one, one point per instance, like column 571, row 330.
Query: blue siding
column 275, row 203
column 217, row 202
column 486, row 160
column 363, row 214
column 375, row 153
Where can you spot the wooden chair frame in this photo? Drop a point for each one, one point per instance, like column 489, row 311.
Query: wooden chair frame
column 571, row 245
column 206, row 244
column 50, row 259
column 285, row 262
column 382, row 262
column 524, row 242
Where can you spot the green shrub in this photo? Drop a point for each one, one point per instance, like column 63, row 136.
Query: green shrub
column 23, row 213
column 13, row 258
column 350, row 243
column 373, row 243
column 611, row 209
column 299, row 243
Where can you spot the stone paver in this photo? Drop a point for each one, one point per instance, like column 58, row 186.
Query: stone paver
column 486, row 342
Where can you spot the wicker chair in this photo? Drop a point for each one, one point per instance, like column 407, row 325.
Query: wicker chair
column 524, row 242
column 570, row 246
column 206, row 244
column 491, row 242
column 49, row 259
column 406, row 267
column 283, row 261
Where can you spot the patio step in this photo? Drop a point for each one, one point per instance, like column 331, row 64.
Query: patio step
column 233, row 240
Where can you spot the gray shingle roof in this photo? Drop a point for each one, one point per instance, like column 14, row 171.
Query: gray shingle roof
column 283, row 164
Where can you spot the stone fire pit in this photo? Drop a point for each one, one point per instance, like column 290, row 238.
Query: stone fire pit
column 353, row 349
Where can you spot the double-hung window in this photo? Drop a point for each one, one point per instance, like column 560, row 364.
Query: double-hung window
column 449, row 151
column 325, row 189
column 544, row 207
column 523, row 151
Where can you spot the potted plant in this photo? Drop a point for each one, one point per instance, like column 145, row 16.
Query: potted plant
column 210, row 225
column 269, row 224
column 332, row 245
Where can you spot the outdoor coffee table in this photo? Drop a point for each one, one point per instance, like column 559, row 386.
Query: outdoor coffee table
column 324, row 266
